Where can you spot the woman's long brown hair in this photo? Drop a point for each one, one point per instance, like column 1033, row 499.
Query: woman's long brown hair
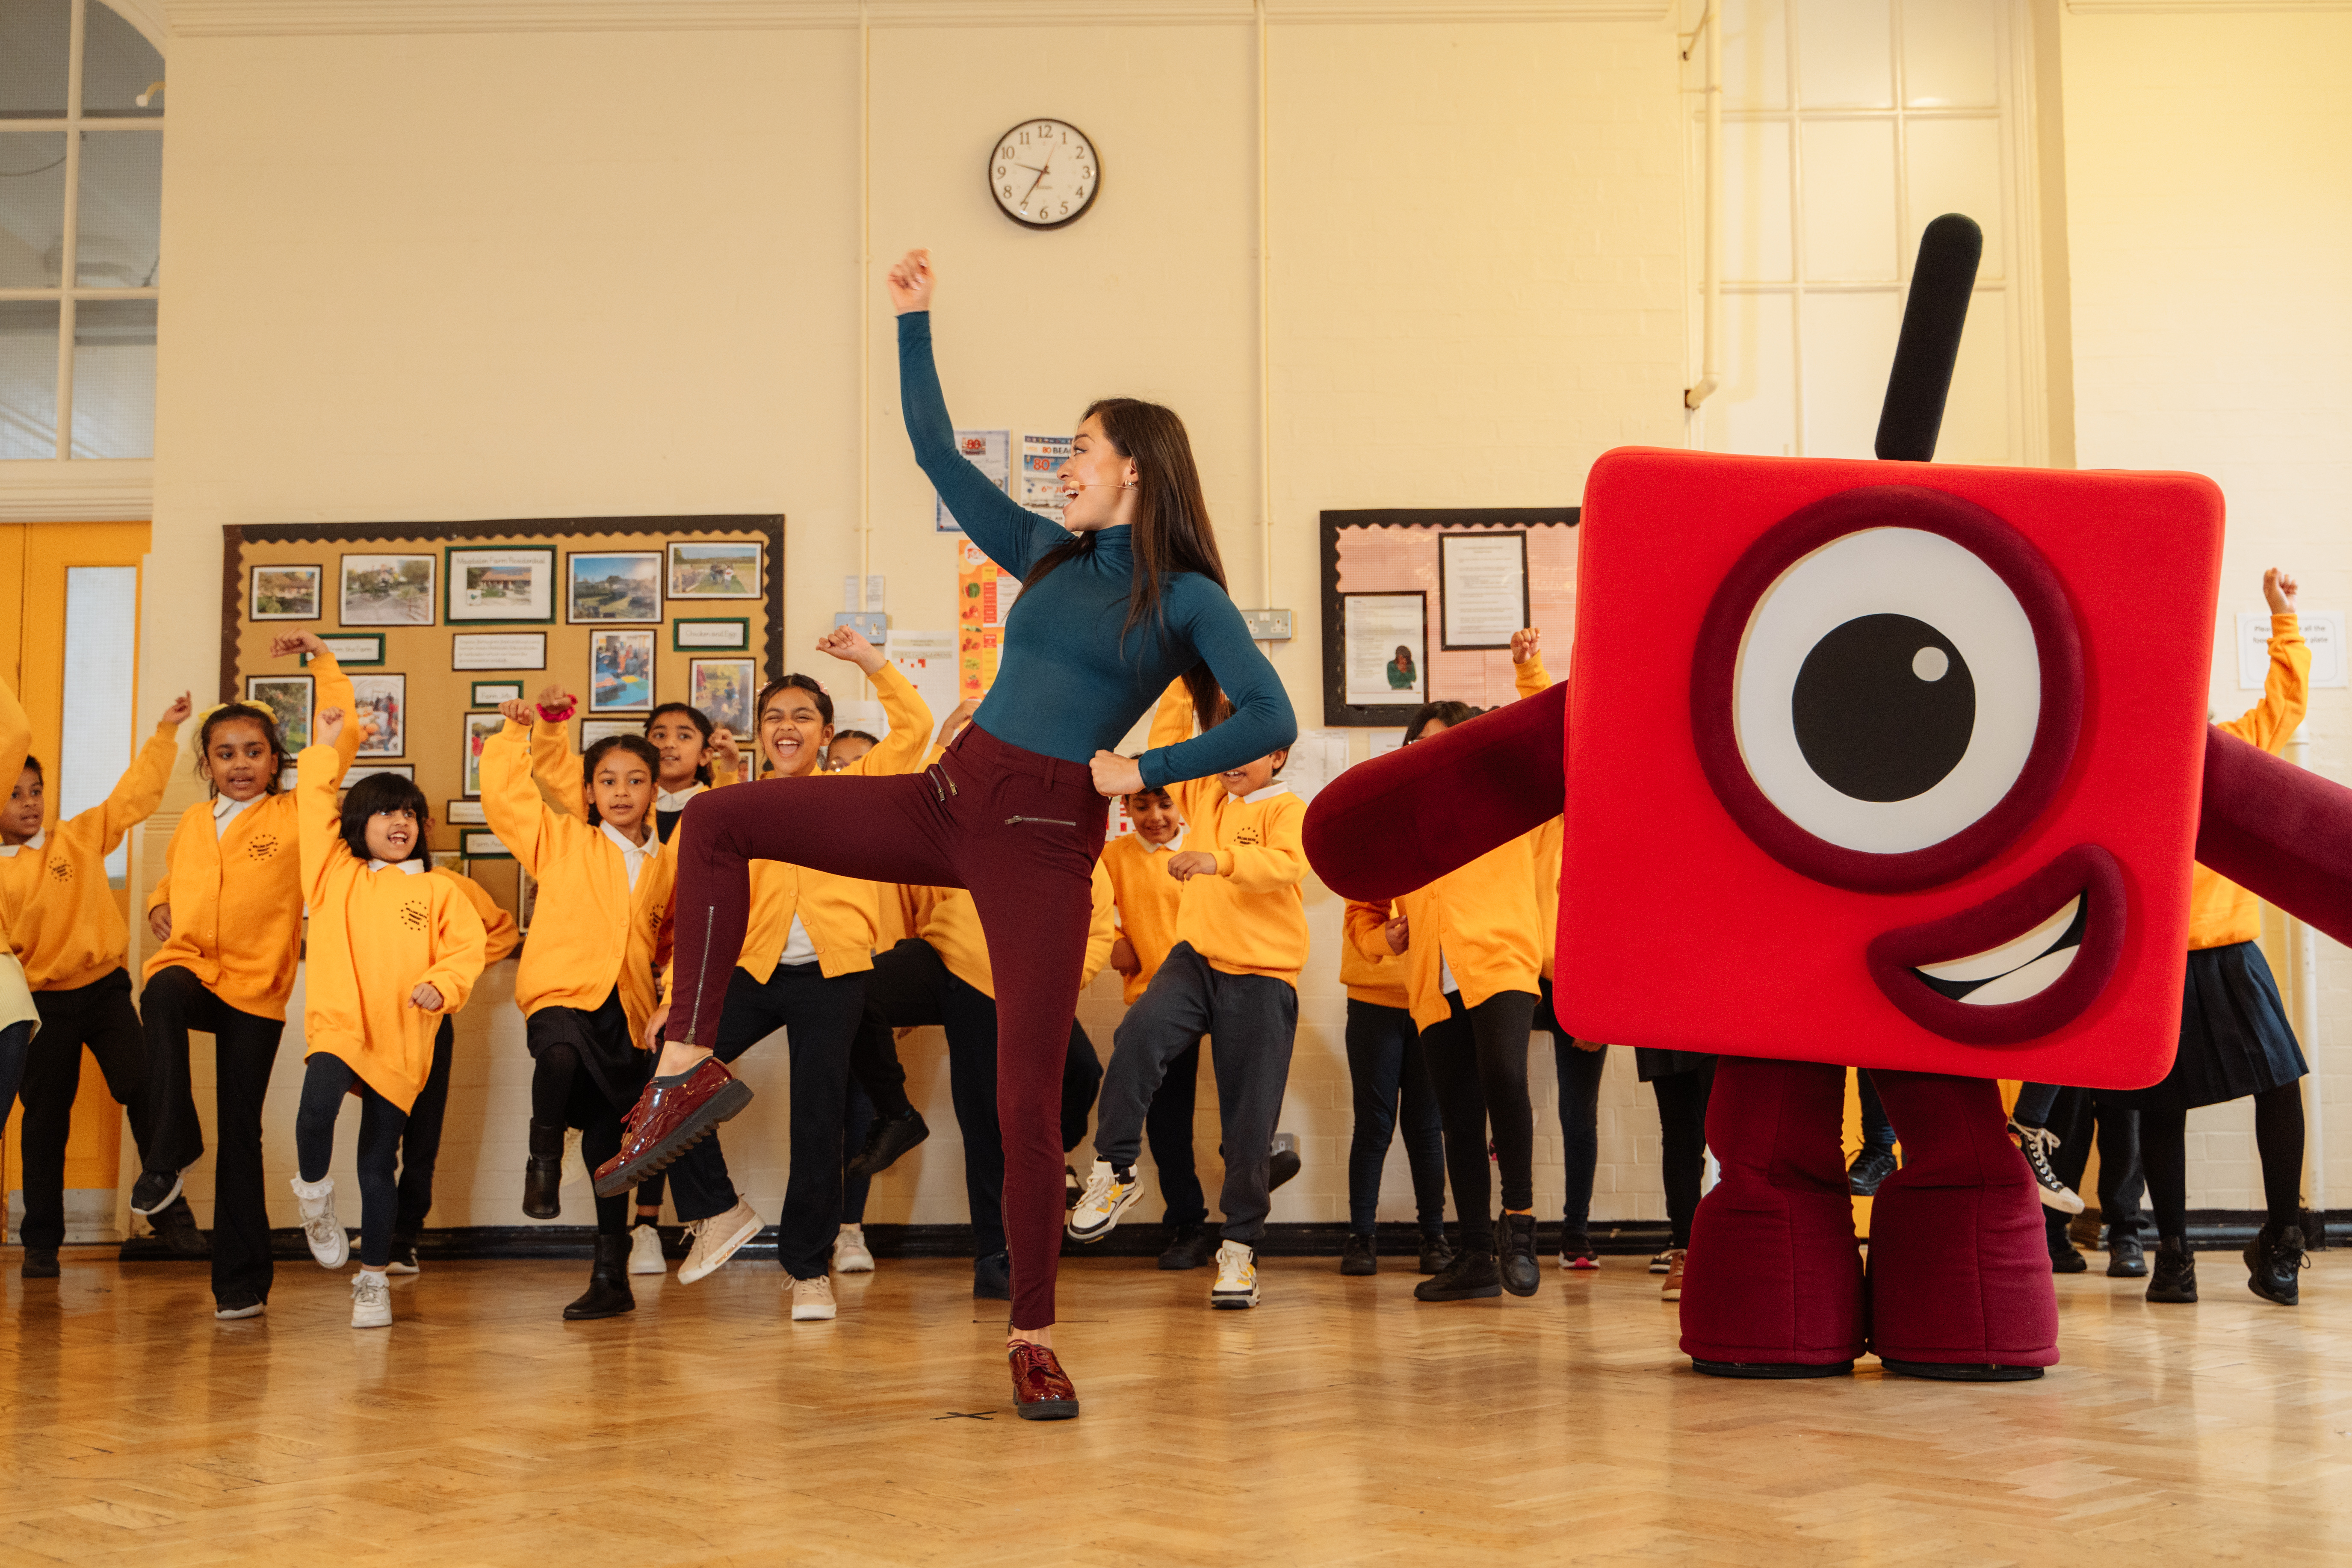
column 1172, row 531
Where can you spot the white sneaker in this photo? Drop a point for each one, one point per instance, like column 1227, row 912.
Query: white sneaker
column 1106, row 1198
column 250, row 1310
column 320, row 1228
column 645, row 1250
column 850, row 1254
column 371, row 1301
column 1236, row 1285
column 716, row 1239
column 813, row 1299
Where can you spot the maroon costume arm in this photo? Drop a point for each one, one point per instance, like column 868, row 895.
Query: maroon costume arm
column 2281, row 832
column 1400, row 822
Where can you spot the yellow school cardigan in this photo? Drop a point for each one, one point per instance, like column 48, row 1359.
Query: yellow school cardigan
column 1250, row 918
column 2220, row 912
column 54, row 903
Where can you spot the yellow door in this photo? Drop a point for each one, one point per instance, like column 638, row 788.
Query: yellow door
column 75, row 586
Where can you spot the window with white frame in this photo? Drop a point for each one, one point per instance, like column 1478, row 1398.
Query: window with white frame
column 81, row 183
column 1847, row 126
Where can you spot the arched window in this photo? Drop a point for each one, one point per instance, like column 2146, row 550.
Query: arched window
column 81, row 181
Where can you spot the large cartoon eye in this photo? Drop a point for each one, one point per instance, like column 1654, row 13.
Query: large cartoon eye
column 1887, row 689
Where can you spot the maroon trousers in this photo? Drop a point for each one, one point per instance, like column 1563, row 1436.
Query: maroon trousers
column 1022, row 832
column 1959, row 1269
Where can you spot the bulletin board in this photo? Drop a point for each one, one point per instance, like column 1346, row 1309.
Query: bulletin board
column 1418, row 605
column 441, row 621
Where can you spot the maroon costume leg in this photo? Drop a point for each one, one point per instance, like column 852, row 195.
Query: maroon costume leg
column 1960, row 1267
column 1773, row 1284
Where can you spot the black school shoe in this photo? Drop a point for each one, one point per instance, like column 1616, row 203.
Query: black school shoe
column 1280, row 1166
column 2175, row 1280
column 1521, row 1271
column 1358, row 1256
column 2127, row 1258
column 1870, row 1167
column 40, row 1263
column 2064, row 1259
column 1190, row 1246
column 2272, row 1260
column 992, row 1278
column 889, row 1137
column 1436, row 1252
column 404, row 1256
column 174, row 1225
column 153, row 1190
column 1471, row 1275
column 608, row 1294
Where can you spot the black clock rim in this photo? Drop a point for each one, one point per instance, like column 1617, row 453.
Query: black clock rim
column 989, row 161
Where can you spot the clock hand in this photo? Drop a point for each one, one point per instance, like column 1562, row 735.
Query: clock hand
column 1038, row 181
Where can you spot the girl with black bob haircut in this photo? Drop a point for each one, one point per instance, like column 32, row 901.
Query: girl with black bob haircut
column 381, row 794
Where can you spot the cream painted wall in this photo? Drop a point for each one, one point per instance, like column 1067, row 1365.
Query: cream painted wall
column 507, row 275
column 2208, row 220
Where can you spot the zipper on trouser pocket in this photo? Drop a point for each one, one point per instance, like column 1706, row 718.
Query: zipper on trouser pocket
column 710, row 914
column 1045, row 821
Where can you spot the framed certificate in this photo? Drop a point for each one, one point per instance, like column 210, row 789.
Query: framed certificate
column 1481, row 588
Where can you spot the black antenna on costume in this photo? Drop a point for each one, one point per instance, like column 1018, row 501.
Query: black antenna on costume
column 1945, row 273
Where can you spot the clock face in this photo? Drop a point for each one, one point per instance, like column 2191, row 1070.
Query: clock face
column 1043, row 173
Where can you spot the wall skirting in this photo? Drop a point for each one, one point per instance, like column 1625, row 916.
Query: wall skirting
column 235, row 18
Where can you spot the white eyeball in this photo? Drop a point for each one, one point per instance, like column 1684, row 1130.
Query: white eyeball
column 1887, row 690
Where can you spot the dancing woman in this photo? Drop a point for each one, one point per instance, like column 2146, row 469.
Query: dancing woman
column 1129, row 598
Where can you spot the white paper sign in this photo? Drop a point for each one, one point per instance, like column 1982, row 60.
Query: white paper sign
column 1316, row 757
column 2323, row 629
column 928, row 661
column 990, row 452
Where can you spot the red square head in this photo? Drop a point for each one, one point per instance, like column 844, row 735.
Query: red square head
column 1892, row 765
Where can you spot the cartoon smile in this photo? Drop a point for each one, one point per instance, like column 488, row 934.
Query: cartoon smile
column 2016, row 967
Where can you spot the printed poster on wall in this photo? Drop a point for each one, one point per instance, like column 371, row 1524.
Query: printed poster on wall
column 984, row 596
column 928, row 661
column 1037, row 485
column 990, row 452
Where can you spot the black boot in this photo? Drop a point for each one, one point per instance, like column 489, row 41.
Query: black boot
column 889, row 1137
column 2127, row 1258
column 40, row 1263
column 1436, row 1252
column 1358, row 1255
column 543, row 1171
column 2174, row 1279
column 1189, row 1246
column 1471, row 1275
column 991, row 1276
column 608, row 1282
column 2064, row 1259
column 1522, row 1272
column 174, row 1225
column 2272, row 1260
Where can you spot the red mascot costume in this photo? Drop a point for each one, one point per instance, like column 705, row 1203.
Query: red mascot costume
column 1883, row 766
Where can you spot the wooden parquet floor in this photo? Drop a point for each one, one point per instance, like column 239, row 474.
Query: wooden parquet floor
column 1339, row 1423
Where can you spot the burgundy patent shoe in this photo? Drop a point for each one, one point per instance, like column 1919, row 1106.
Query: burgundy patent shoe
column 670, row 1118
column 1041, row 1389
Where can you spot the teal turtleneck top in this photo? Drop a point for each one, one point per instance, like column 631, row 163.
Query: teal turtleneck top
column 1070, row 679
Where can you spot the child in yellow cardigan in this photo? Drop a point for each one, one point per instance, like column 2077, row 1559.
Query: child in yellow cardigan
column 59, row 913
column 227, row 922
column 1473, row 960
column 392, row 949
column 588, row 981
column 1389, row 1082
column 1233, row 974
column 18, row 1017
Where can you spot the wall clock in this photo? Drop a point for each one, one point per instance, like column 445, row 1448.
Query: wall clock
column 1043, row 173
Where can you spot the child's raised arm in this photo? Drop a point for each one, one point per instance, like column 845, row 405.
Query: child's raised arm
column 553, row 763
column 334, row 690
column 510, row 804
column 140, row 790
column 902, row 750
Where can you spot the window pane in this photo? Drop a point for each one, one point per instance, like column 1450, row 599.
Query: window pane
column 118, row 64
column 28, row 378
column 1949, row 53
column 1845, row 51
column 1849, row 173
column 121, row 209
column 100, row 602
column 32, row 209
column 1849, row 345
column 1955, row 167
column 114, row 378
column 1755, row 54
column 34, row 36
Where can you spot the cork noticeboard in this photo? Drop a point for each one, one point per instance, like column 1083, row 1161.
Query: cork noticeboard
column 433, row 622
column 1386, row 578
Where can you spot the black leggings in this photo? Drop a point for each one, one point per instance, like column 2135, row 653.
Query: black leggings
column 420, row 1141
column 2278, row 1139
column 1682, row 1143
column 326, row 1080
column 1478, row 1065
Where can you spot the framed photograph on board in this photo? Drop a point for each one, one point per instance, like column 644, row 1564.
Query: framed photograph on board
column 387, row 591
column 490, row 693
column 499, row 650
column 501, row 582
column 384, row 703
column 464, row 814
column 620, row 671
column 1481, row 589
column 723, row 688
column 288, row 592
column 1387, row 649
column 727, row 570
column 364, row 770
column 352, row 649
column 620, row 586
column 287, row 699
column 710, row 634
column 482, row 843
column 595, row 729
column 479, row 728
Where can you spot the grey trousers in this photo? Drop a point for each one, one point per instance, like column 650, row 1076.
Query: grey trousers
column 1251, row 1021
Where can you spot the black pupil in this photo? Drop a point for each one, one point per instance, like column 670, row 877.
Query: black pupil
column 1883, row 708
